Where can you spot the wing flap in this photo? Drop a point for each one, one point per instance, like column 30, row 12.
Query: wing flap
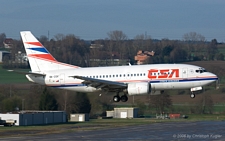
column 99, row 83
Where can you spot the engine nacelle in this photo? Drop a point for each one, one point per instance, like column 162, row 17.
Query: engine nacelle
column 139, row 88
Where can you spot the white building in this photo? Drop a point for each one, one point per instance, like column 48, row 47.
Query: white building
column 79, row 117
column 123, row 113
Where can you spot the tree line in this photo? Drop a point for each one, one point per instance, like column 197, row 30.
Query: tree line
column 73, row 50
column 36, row 97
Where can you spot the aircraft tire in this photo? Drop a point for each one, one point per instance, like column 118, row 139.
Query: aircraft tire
column 116, row 98
column 124, row 98
column 192, row 95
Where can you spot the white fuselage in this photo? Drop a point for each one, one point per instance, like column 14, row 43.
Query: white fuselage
column 160, row 76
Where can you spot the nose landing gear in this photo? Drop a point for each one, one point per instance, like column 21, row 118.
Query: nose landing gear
column 192, row 95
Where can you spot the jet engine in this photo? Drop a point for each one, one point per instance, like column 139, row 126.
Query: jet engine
column 139, row 88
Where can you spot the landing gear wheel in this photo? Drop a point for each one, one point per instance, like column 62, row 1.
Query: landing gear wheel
column 116, row 98
column 124, row 98
column 192, row 95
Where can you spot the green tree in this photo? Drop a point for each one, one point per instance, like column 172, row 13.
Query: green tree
column 207, row 104
column 81, row 103
column 212, row 49
column 141, row 107
column 178, row 55
column 47, row 101
column 10, row 104
column 220, row 56
column 166, row 50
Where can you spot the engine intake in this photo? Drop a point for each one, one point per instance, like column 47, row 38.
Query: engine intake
column 140, row 88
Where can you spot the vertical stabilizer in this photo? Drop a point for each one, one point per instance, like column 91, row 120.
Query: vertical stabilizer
column 39, row 58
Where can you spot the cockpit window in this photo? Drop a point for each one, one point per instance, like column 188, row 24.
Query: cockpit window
column 200, row 70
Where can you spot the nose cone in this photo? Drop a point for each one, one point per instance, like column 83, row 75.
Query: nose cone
column 213, row 77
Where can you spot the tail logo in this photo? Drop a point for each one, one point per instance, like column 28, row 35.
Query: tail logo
column 37, row 50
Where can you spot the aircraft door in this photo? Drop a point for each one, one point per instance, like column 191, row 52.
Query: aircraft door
column 184, row 73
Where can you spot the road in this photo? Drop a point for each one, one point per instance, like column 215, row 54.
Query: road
column 200, row 130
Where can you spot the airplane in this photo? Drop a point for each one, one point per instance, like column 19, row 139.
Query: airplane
column 129, row 80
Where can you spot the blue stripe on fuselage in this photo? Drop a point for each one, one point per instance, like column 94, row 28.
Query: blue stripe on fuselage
column 182, row 80
column 68, row 85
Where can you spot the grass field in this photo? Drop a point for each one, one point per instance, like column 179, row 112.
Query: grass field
column 221, row 48
column 7, row 77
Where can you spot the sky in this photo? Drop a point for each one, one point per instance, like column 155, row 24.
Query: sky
column 93, row 19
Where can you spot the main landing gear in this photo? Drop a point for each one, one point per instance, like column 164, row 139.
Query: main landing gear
column 117, row 98
column 192, row 95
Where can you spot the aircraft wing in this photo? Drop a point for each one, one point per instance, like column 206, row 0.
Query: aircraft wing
column 99, row 83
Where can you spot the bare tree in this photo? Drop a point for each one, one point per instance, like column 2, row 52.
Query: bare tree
column 193, row 36
column 2, row 38
column 117, row 35
column 160, row 102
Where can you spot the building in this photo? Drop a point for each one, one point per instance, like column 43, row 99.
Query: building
column 4, row 54
column 79, row 117
column 25, row 118
column 142, row 56
column 8, row 43
column 123, row 113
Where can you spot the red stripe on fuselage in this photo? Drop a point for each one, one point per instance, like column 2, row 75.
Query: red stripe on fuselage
column 53, row 61
column 44, row 56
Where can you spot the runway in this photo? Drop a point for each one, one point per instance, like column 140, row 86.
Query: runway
column 173, row 131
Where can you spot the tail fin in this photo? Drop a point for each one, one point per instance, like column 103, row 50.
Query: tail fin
column 39, row 58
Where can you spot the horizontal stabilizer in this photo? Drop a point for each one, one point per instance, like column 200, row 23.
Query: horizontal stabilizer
column 23, row 72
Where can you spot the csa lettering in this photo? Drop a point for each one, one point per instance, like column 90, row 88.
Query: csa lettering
column 166, row 73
